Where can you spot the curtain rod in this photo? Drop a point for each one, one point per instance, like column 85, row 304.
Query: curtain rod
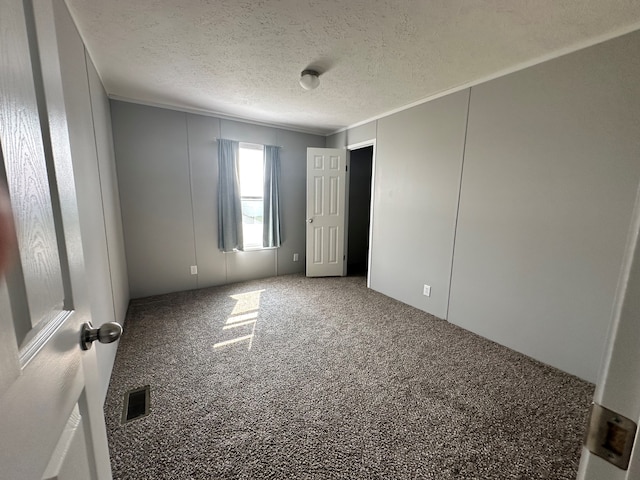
column 215, row 139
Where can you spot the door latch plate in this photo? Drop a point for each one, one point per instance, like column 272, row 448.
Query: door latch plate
column 610, row 436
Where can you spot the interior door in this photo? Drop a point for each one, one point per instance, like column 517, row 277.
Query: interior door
column 618, row 386
column 326, row 211
column 51, row 420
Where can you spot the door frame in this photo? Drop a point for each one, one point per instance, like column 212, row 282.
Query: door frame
column 356, row 146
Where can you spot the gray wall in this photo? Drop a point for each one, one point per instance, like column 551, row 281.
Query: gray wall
column 155, row 195
column 89, row 127
column 417, row 175
column 352, row 136
column 167, row 172
column 551, row 169
column 550, row 173
column 112, row 217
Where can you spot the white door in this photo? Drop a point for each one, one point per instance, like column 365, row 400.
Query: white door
column 326, row 211
column 51, row 420
column 618, row 387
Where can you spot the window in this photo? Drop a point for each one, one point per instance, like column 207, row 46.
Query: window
column 251, row 167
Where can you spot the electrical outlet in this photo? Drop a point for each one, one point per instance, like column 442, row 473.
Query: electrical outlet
column 194, row 269
column 426, row 291
column 296, row 257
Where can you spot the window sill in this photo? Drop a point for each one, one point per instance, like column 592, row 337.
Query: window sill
column 253, row 249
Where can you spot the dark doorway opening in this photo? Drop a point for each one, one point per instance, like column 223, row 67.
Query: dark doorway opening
column 360, row 175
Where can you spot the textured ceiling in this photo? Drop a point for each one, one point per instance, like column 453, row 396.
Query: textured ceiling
column 243, row 58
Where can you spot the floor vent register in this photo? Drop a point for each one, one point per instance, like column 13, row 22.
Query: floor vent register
column 136, row 404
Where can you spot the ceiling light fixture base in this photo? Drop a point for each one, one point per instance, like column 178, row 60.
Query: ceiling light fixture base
column 309, row 79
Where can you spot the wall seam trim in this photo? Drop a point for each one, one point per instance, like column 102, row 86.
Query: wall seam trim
column 455, row 227
column 372, row 207
column 104, row 217
column 193, row 219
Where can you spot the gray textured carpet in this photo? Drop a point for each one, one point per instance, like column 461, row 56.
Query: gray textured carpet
column 332, row 381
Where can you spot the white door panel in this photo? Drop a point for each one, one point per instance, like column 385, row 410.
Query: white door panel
column 69, row 460
column 45, row 377
column 326, row 211
column 618, row 386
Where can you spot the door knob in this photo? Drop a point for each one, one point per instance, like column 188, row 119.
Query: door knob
column 107, row 333
column 310, row 220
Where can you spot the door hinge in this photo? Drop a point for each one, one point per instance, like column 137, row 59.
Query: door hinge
column 344, row 257
column 610, row 436
column 346, row 168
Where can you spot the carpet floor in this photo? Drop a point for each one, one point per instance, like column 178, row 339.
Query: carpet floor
column 300, row 378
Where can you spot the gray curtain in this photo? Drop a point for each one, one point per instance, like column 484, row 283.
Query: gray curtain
column 271, row 236
column 229, row 204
